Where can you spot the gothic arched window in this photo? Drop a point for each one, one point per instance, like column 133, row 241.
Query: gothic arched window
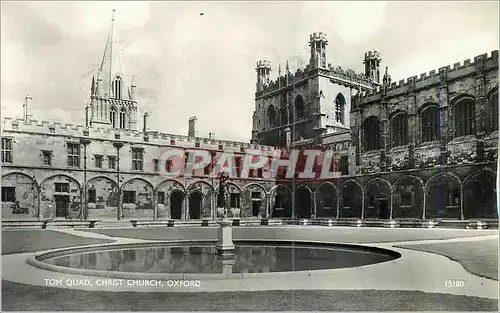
column 112, row 117
column 339, row 108
column 371, row 133
column 123, row 115
column 429, row 123
column 117, row 88
column 399, row 130
column 299, row 107
column 493, row 102
column 465, row 115
column 271, row 116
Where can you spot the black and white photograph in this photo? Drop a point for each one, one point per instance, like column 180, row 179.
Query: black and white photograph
column 249, row 156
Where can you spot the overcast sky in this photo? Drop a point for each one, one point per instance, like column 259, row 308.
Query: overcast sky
column 190, row 64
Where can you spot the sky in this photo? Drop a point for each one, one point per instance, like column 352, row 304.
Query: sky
column 188, row 64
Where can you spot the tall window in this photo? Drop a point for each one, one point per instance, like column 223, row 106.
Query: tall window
column 7, row 150
column 299, row 107
column 8, row 194
column 98, row 161
column 371, row 131
column 47, row 158
column 117, row 88
column 111, row 162
column 429, row 123
column 271, row 116
column 464, row 111
column 91, row 196
column 123, row 115
column 399, row 129
column 339, row 108
column 73, row 154
column 493, row 101
column 344, row 165
column 156, row 165
column 235, row 200
column 112, row 117
column 128, row 196
column 137, row 154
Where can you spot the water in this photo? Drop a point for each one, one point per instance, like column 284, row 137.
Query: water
column 200, row 258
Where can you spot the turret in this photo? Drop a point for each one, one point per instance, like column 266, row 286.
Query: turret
column 318, row 43
column 386, row 81
column 263, row 70
column 372, row 66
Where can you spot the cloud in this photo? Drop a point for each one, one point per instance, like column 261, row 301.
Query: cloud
column 186, row 64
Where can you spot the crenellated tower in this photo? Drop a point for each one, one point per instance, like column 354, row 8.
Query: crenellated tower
column 263, row 74
column 113, row 102
column 372, row 66
column 318, row 43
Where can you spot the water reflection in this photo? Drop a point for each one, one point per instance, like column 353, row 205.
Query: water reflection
column 204, row 259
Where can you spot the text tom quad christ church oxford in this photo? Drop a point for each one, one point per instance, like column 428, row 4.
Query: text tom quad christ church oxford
column 421, row 148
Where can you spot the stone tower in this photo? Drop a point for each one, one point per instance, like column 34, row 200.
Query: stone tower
column 112, row 101
column 318, row 43
column 372, row 66
column 263, row 71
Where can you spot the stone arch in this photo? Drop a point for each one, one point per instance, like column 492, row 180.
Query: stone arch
column 352, row 200
column 408, row 197
column 327, row 200
column 492, row 100
column 480, row 195
column 464, row 114
column 169, row 205
column 101, row 198
column 24, row 191
column 280, row 201
column 232, row 198
column 443, row 197
column 195, row 204
column 378, row 196
column 271, row 116
column 303, row 201
column 254, row 202
column 371, row 133
column 340, row 106
column 299, row 107
column 427, row 115
column 60, row 197
column 208, row 196
column 137, row 199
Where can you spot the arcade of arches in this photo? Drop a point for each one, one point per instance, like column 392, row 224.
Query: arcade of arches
column 409, row 197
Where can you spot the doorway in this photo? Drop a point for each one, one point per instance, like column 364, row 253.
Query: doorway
column 62, row 206
column 176, row 200
column 195, row 201
column 256, row 207
column 384, row 211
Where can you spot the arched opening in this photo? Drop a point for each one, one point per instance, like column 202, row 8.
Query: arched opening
column 164, row 202
column 207, row 191
column 493, row 103
column 195, row 202
column 137, row 199
column 408, row 198
column 299, row 107
column 378, row 200
column 428, row 122
column 465, row 117
column 60, row 197
column 480, row 196
column 351, row 200
column 123, row 117
column 112, row 117
column 371, row 133
column 326, row 201
column 176, row 204
column 281, row 205
column 254, row 201
column 117, row 87
column 19, row 197
column 340, row 108
column 399, row 130
column 102, row 198
column 303, row 202
column 271, row 116
column 443, row 197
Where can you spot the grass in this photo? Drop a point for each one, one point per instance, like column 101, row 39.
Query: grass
column 17, row 297
column 479, row 258
column 19, row 241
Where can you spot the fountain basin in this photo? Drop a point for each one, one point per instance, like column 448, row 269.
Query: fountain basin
column 199, row 259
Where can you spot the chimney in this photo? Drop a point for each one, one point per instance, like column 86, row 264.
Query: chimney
column 192, row 127
column 145, row 126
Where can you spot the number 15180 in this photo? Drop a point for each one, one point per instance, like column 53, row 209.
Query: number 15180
column 455, row 283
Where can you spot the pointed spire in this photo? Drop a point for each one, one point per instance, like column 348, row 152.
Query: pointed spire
column 287, row 68
column 92, row 87
column 387, row 78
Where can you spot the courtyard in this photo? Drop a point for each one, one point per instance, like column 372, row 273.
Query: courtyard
column 417, row 281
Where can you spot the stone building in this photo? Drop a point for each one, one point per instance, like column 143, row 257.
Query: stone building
column 422, row 148
column 425, row 147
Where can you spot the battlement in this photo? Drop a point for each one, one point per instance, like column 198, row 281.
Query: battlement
column 263, row 64
column 318, row 36
column 372, row 55
column 132, row 136
column 434, row 76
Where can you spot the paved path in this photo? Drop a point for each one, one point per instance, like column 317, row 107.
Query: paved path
column 415, row 270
